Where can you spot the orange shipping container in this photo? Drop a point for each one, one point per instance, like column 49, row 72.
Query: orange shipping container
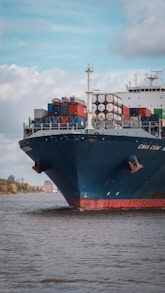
column 126, row 117
column 125, row 110
column 144, row 112
column 77, row 109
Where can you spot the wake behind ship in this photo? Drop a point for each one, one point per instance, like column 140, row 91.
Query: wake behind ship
column 106, row 154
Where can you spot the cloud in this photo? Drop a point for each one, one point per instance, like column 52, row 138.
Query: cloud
column 142, row 32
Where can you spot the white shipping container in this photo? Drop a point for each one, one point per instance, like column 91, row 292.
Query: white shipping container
column 40, row 113
column 119, row 101
column 101, row 107
column 101, row 116
column 115, row 109
column 109, row 116
column 109, row 98
column 119, row 110
column 101, row 98
column 109, row 107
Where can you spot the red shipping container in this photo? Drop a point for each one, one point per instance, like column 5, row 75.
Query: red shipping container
column 126, row 117
column 125, row 110
column 77, row 109
column 64, row 119
column 144, row 112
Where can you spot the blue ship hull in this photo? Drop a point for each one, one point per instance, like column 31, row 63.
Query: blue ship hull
column 93, row 171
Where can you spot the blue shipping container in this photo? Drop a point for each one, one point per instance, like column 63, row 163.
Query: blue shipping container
column 56, row 110
column 77, row 121
column 50, row 108
column 64, row 110
column 134, row 112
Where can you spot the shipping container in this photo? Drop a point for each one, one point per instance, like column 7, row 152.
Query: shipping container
column 101, row 116
column 134, row 112
column 56, row 109
column 101, row 98
column 144, row 112
column 109, row 116
column 77, row 121
column 153, row 117
column 126, row 117
column 64, row 119
column 161, row 112
column 112, row 99
column 47, row 119
column 38, row 122
column 50, row 107
column 40, row 113
column 78, row 109
column 109, row 107
column 55, row 120
column 101, row 107
column 125, row 110
column 64, row 110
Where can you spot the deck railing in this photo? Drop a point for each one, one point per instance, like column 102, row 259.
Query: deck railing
column 153, row 127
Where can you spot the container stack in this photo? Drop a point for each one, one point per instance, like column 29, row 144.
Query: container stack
column 64, row 111
column 77, row 114
column 107, row 109
column 161, row 113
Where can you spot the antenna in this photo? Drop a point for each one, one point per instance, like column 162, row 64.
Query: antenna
column 153, row 75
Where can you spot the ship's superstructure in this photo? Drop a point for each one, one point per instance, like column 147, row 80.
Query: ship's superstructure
column 107, row 154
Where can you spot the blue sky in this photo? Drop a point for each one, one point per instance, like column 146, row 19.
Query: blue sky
column 70, row 34
column 45, row 47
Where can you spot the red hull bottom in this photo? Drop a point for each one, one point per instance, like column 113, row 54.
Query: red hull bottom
column 118, row 204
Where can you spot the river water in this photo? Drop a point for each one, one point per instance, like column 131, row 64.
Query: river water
column 47, row 247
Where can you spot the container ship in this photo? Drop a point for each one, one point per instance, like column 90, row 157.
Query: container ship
column 108, row 153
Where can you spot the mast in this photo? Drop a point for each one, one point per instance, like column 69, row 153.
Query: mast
column 89, row 98
column 153, row 76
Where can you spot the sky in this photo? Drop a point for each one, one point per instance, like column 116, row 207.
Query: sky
column 46, row 46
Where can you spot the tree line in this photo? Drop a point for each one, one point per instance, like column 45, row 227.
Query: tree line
column 8, row 187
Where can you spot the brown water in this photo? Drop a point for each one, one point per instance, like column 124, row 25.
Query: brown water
column 47, row 247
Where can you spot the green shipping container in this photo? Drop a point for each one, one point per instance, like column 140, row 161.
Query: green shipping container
column 160, row 112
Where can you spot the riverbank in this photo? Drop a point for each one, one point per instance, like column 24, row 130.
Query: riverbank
column 13, row 187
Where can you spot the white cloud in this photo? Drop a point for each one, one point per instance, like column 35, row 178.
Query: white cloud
column 143, row 31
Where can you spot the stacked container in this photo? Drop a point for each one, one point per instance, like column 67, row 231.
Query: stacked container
column 67, row 111
column 77, row 114
column 161, row 113
column 106, row 108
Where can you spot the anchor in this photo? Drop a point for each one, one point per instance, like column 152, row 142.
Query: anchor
column 134, row 164
column 40, row 166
